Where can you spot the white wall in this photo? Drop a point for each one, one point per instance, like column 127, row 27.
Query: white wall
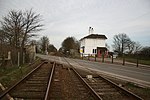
column 82, row 43
column 91, row 44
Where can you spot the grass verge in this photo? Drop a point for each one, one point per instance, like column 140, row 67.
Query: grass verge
column 11, row 75
column 142, row 92
column 133, row 60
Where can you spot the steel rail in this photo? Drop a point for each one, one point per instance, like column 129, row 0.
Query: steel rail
column 12, row 87
column 111, row 83
column 49, row 83
column 121, row 88
column 88, row 86
column 96, row 96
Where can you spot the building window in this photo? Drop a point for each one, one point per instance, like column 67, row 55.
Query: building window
column 94, row 51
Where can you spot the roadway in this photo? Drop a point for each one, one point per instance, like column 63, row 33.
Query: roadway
column 130, row 73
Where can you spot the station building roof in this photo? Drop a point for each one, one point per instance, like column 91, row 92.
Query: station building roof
column 94, row 36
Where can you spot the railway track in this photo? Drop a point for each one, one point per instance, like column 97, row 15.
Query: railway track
column 67, row 86
column 34, row 86
column 51, row 81
column 104, row 88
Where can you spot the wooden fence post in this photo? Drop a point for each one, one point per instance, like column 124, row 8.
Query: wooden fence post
column 123, row 60
column 112, row 59
column 103, row 57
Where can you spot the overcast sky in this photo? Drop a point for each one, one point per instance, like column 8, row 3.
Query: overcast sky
column 63, row 18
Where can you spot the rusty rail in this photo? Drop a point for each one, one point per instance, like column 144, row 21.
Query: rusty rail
column 25, row 77
column 109, row 82
column 122, row 89
column 49, row 83
column 95, row 95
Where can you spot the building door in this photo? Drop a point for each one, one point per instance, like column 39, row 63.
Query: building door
column 100, row 51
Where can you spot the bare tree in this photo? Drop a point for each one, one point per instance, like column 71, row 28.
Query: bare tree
column 107, row 46
column 12, row 26
column 133, row 47
column 121, row 42
column 2, row 37
column 145, row 53
column 19, row 26
column 137, row 47
column 31, row 25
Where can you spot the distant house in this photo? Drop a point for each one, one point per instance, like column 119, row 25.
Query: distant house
column 93, row 45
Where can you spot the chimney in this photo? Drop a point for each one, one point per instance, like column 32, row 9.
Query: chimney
column 90, row 30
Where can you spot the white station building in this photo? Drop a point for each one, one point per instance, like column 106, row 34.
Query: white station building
column 93, row 45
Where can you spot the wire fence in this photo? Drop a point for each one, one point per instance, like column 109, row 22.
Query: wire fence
column 137, row 60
